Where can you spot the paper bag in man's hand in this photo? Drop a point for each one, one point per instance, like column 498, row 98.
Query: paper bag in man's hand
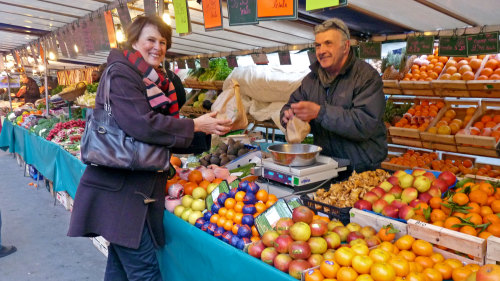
column 296, row 130
column 230, row 106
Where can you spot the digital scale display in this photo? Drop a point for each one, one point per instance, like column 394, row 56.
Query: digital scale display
column 281, row 177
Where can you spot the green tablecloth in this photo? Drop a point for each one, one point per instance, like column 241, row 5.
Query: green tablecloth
column 189, row 254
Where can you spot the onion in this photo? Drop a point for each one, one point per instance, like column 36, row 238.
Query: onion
column 425, row 62
column 221, row 173
column 176, row 190
column 208, row 175
column 423, row 57
column 418, row 62
column 171, row 203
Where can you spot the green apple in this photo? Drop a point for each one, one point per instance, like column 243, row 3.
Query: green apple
column 211, row 187
column 198, row 205
column 187, row 212
column 199, row 192
column 194, row 216
column 178, row 210
column 187, row 200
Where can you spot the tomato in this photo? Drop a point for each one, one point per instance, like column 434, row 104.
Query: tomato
column 489, row 272
column 407, row 255
column 405, row 242
column 386, row 246
column 401, row 266
column 344, row 256
column 362, row 264
column 379, row 255
column 385, row 235
column 382, row 271
column 473, row 267
column 422, row 248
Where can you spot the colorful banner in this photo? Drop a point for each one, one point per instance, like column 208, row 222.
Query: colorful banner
column 110, row 28
column 277, row 9
column 242, row 12
column 212, row 14
column 182, row 22
column 150, row 7
column 124, row 15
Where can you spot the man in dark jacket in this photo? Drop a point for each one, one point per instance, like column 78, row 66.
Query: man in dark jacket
column 32, row 92
column 343, row 101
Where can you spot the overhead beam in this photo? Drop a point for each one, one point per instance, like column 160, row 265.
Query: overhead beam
column 22, row 29
column 38, row 9
column 447, row 12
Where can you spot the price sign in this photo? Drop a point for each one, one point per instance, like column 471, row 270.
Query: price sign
column 320, row 4
column 419, row 45
column 181, row 64
column 212, row 14
column 191, row 63
column 232, row 61
column 284, row 57
column 260, row 59
column 483, row 43
column 242, row 12
column 204, row 63
column 277, row 9
column 182, row 24
column 370, row 50
column 453, row 46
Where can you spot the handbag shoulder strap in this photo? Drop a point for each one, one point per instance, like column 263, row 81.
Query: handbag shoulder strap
column 106, row 87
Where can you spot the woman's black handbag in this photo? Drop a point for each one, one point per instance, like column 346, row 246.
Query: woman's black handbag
column 104, row 143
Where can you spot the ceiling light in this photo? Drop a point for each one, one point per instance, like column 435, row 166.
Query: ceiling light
column 166, row 18
column 52, row 56
column 120, row 37
column 41, row 68
column 76, row 48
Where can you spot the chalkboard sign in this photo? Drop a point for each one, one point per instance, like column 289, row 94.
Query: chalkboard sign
column 232, row 61
column 419, row 45
column 181, row 64
column 370, row 50
column 453, row 46
column 284, row 57
column 242, row 12
column 483, row 43
column 191, row 63
column 277, row 9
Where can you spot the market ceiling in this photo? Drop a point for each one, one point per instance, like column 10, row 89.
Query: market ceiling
column 24, row 21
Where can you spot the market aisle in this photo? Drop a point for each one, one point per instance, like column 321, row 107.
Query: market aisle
column 32, row 223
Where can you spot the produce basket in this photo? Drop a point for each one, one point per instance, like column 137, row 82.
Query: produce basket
column 341, row 214
column 72, row 95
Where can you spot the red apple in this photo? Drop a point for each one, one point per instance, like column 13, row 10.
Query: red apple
column 406, row 212
column 398, row 203
column 424, row 197
column 379, row 205
column 318, row 245
column 430, row 175
column 390, row 211
column 372, row 241
column 422, row 183
column 283, row 225
column 363, row 205
column 332, row 240
column 256, row 248
column 379, row 191
column 414, row 203
column 318, row 227
column 434, row 191
column 393, row 180
column 488, row 272
column 342, row 231
column 315, row 260
column 385, row 185
column 354, row 235
column 299, row 250
column 371, row 196
column 441, row 184
column 303, row 214
column 388, row 198
column 448, row 177
column 269, row 237
column 409, row 194
column 399, row 173
column 396, row 190
column 296, row 267
column 268, row 255
column 282, row 243
column 282, row 262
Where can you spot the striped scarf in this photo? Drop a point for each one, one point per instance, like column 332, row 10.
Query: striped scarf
column 160, row 92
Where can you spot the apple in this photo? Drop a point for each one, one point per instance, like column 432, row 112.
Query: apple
column 372, row 241
column 199, row 193
column 418, row 172
column 367, row 231
column 379, row 205
column 318, row 227
column 399, row 173
column 488, row 272
column 448, row 177
column 393, row 180
column 178, row 210
column 187, row 200
column 397, row 203
column 332, row 240
column 194, row 216
column 318, row 245
column 300, row 231
column 299, row 250
column 424, row 197
column 422, row 183
column 396, row 190
column 282, row 243
column 186, row 213
column 405, row 181
column 414, row 203
column 329, row 254
column 296, row 267
column 385, row 185
column 406, row 212
column 354, row 235
column 269, row 236
column 363, row 205
column 379, row 191
column 371, row 196
column 409, row 194
column 302, row 214
column 353, row 226
column 342, row 231
column 211, row 187
column 334, row 223
column 357, row 241
column 282, row 262
column 441, row 184
column 388, row 198
column 430, row 175
column 198, row 205
column 283, row 225
column 268, row 255
column 256, row 248
column 390, row 211
column 434, row 191
column 315, row 260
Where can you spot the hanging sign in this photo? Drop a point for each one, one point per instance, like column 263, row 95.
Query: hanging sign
column 150, row 7
column 87, row 37
column 124, row 14
column 204, row 63
column 284, row 57
column 419, row 45
column 14, row 82
column 482, row 43
column 108, row 18
column 182, row 22
column 212, row 14
column 453, row 46
column 321, row 4
column 181, row 64
column 242, row 12
column 277, row 9
column 260, row 59
column 312, row 56
column 191, row 63
column 232, row 61
column 370, row 50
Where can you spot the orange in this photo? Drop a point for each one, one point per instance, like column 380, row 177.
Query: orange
column 384, row 234
column 478, row 196
column 407, row 255
column 474, row 218
column 437, row 257
column 255, row 232
column 189, row 187
column 443, row 268
column 473, row 267
column 420, row 208
column 432, row 274
column 217, row 180
column 454, row 263
column 426, row 262
column 195, row 176
column 491, row 63
column 487, row 187
column 176, row 161
column 269, row 203
column 491, row 218
column 329, row 268
column 230, row 214
column 261, row 207
column 272, row 197
column 347, row 274
column 474, row 207
column 435, row 202
column 228, row 225
column 467, row 229
column 404, row 242
column 439, row 223
column 222, row 212
column 204, row 184
column 484, row 235
column 460, row 274
column 495, row 206
column 262, row 195
column 422, row 248
column 239, row 196
column 449, row 222
column 313, row 275
column 237, row 218
column 460, row 198
column 438, row 215
column 239, row 207
column 214, row 218
column 229, row 203
column 458, row 215
column 235, row 228
column 485, row 210
column 494, row 229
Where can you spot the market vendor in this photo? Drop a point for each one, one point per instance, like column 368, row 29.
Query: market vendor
column 29, row 91
column 343, row 101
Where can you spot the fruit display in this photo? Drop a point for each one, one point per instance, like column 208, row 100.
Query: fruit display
column 491, row 70
column 224, row 153
column 486, row 170
column 488, row 125
column 394, row 111
column 461, row 68
column 346, row 193
column 452, row 121
column 404, row 195
column 429, row 160
column 426, row 68
column 419, row 116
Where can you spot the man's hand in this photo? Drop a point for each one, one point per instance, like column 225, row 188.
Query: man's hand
column 287, row 115
column 306, row 110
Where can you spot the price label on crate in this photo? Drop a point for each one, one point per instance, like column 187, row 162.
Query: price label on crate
column 453, row 46
column 419, row 45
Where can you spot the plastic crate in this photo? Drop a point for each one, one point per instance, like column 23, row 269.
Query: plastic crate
column 341, row 214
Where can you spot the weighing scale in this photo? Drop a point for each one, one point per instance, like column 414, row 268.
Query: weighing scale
column 305, row 177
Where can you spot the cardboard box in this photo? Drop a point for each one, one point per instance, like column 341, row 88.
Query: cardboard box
column 101, row 244
column 62, row 197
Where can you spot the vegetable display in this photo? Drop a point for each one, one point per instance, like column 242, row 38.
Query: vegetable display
column 218, row 70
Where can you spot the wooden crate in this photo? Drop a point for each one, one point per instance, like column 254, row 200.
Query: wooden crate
column 492, row 250
column 417, row 88
column 364, row 218
column 478, row 151
column 391, row 87
column 450, row 88
column 439, row 146
column 451, row 239
column 484, row 88
column 405, row 141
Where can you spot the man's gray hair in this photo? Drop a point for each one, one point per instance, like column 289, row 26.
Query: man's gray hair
column 336, row 24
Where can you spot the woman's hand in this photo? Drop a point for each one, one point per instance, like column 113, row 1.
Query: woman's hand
column 208, row 124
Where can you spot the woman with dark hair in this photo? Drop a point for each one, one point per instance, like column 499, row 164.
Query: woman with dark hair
column 126, row 207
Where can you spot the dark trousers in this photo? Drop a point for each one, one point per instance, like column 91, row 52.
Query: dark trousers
column 126, row 264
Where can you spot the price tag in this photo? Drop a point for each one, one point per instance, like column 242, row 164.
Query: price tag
column 419, row 45
column 232, row 61
column 260, row 59
column 191, row 63
column 181, row 64
column 204, row 63
column 453, row 46
column 320, row 4
column 242, row 12
column 277, row 9
column 483, row 43
column 284, row 57
column 182, row 23
column 212, row 14
column 370, row 50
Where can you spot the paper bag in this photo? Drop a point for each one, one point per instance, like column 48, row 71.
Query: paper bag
column 230, row 106
column 296, row 130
